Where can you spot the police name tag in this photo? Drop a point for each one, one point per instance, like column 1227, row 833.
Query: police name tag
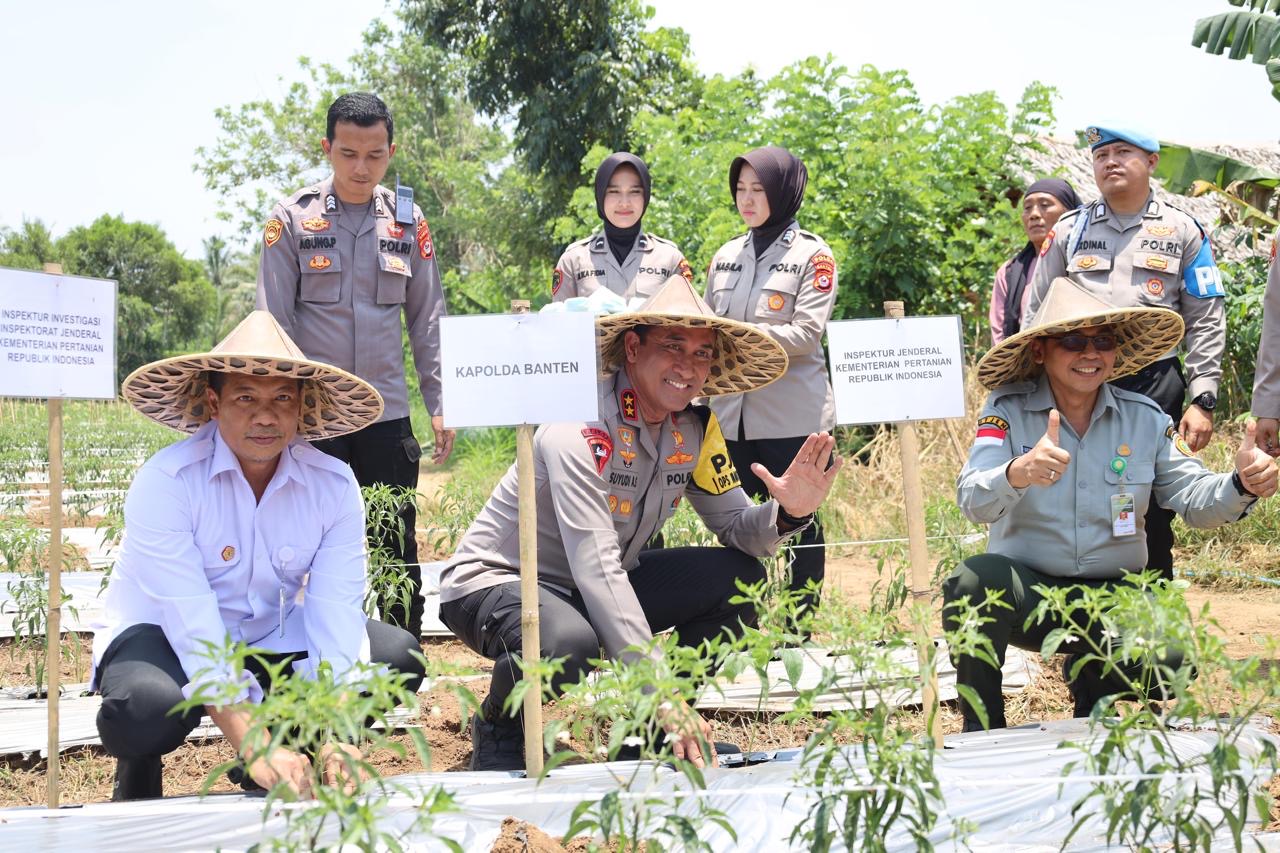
column 1124, row 519
column 404, row 204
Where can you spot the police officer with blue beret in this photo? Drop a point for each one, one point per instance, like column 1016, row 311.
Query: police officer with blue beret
column 1132, row 250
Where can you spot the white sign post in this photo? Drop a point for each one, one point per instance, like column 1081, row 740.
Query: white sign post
column 57, row 340
column 521, row 369
column 901, row 370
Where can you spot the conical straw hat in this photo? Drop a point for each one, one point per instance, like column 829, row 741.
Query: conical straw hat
column 1145, row 334
column 334, row 402
column 746, row 358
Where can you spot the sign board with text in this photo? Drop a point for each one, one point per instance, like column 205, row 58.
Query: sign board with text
column 894, row 370
column 509, row 369
column 57, row 336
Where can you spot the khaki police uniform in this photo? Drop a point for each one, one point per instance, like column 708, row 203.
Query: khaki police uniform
column 1088, row 528
column 790, row 292
column 603, row 490
column 588, row 265
column 1266, row 380
column 1162, row 258
column 338, row 283
column 338, row 280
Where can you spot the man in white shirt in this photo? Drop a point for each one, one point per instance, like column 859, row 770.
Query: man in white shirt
column 242, row 532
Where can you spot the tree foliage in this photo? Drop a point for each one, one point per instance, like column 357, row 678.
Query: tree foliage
column 27, row 248
column 571, row 73
column 1252, row 33
column 914, row 200
column 163, row 299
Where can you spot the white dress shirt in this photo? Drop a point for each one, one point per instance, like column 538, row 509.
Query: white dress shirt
column 206, row 562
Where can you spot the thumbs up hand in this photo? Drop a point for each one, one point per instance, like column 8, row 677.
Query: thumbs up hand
column 1257, row 470
column 1045, row 463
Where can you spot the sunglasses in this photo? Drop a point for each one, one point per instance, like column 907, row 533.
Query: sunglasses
column 1079, row 343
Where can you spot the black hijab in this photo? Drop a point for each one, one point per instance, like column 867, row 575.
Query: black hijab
column 1016, row 276
column 783, row 177
column 621, row 240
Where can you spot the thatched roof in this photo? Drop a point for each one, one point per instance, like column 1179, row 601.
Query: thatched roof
column 1061, row 158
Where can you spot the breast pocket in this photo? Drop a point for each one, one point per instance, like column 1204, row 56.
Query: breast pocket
column 393, row 278
column 719, row 292
column 321, row 276
column 292, row 562
column 777, row 302
column 220, row 560
column 1082, row 263
column 1137, row 478
column 1155, row 276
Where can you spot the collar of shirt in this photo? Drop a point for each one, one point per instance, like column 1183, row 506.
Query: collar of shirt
column 1102, row 211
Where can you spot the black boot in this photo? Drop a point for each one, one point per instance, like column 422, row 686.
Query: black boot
column 138, row 778
column 496, row 745
column 1086, row 689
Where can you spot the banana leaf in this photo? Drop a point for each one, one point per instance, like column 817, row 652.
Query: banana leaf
column 1180, row 167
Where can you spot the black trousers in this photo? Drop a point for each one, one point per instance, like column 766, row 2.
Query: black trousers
column 775, row 454
column 972, row 578
column 387, row 453
column 1164, row 382
column 141, row 679
column 687, row 589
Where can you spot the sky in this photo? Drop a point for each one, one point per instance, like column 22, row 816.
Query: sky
column 109, row 101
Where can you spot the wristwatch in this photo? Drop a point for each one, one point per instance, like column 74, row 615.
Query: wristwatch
column 1207, row 401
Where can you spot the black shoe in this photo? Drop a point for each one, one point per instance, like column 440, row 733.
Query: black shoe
column 1085, row 689
column 138, row 778
column 634, row 752
column 496, row 746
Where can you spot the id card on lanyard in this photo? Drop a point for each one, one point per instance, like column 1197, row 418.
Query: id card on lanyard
column 1124, row 518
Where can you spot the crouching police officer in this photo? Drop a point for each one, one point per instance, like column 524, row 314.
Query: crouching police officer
column 604, row 488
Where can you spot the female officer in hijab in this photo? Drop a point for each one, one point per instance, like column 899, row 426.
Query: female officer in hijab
column 783, row 280
column 1042, row 204
column 621, row 258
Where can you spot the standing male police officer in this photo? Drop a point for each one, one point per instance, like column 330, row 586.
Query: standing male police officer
column 341, row 260
column 1134, row 251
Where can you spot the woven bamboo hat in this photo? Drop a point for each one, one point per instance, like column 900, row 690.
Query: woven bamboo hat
column 1145, row 334
column 334, row 402
column 746, row 358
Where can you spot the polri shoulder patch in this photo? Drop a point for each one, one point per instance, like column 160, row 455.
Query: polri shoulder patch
column 1048, row 241
column 685, row 270
column 824, row 272
column 271, row 233
column 714, row 472
column 601, row 447
column 425, row 247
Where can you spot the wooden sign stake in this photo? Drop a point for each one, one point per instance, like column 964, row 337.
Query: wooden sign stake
column 53, row 621
column 531, row 648
column 919, row 552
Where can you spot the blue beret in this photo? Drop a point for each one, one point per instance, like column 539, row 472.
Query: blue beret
column 1100, row 136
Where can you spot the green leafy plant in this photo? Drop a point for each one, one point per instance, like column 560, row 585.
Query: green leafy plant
column 388, row 580
column 1140, row 633
column 308, row 715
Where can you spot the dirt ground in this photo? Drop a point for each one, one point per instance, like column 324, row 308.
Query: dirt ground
column 1244, row 616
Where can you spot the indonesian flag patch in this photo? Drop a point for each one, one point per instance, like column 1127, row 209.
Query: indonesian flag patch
column 991, row 431
column 601, row 447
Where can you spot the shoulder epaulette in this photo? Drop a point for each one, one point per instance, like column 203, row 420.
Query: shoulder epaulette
column 1011, row 389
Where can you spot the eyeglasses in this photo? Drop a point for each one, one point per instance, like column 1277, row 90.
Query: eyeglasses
column 1079, row 343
